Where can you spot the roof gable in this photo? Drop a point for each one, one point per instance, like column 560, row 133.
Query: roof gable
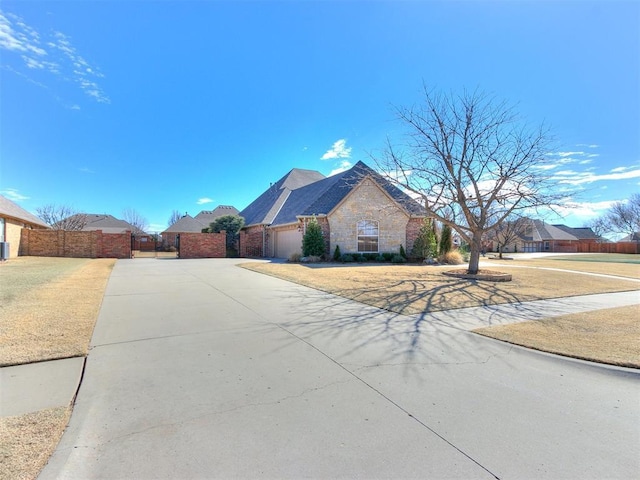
column 581, row 233
column 265, row 208
column 186, row 224
column 281, row 205
column 13, row 210
column 208, row 216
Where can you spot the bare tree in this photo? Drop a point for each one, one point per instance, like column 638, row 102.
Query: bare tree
column 132, row 216
column 624, row 217
column 175, row 216
column 62, row 217
column 472, row 163
column 600, row 226
column 510, row 231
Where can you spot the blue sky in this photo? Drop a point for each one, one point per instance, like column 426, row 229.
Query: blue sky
column 162, row 105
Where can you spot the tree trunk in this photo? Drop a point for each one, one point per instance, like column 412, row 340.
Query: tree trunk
column 474, row 257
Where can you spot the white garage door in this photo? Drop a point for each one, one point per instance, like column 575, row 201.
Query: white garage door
column 288, row 242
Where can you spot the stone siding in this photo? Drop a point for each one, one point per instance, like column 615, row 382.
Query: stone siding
column 368, row 202
column 203, row 245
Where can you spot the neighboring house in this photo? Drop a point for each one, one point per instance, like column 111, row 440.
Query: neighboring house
column 634, row 237
column 13, row 219
column 357, row 209
column 189, row 224
column 106, row 223
column 110, row 224
column 542, row 237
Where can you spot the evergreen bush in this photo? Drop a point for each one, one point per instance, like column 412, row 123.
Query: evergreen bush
column 398, row 259
column 313, row 240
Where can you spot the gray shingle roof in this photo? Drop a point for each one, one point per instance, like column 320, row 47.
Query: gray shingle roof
column 10, row 209
column 581, row 233
column 281, row 205
column 264, row 209
column 106, row 223
column 186, row 224
column 208, row 216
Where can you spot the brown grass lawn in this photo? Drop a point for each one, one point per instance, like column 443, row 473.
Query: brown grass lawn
column 412, row 289
column 608, row 336
column 48, row 309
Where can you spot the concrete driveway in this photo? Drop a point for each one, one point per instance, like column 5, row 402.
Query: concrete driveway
column 201, row 369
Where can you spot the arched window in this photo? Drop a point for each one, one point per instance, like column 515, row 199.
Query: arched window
column 367, row 236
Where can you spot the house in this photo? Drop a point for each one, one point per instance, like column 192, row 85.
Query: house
column 539, row 236
column 357, row 210
column 189, row 224
column 633, row 237
column 13, row 219
column 106, row 223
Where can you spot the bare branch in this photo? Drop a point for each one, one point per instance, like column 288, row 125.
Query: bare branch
column 472, row 163
column 134, row 218
column 62, row 217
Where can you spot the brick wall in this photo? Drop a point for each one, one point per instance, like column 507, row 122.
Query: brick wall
column 251, row 242
column 13, row 234
column 203, row 245
column 368, row 202
column 59, row 243
column 413, row 230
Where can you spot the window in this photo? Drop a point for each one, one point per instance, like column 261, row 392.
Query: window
column 1, row 229
column 367, row 236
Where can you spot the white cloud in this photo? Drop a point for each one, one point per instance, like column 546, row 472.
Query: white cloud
column 342, row 167
column 204, row 200
column 338, row 150
column 14, row 195
column 63, row 60
column 575, row 178
column 618, row 169
column 569, row 154
column 585, row 209
column 550, row 166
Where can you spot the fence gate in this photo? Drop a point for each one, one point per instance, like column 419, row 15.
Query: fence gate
column 148, row 246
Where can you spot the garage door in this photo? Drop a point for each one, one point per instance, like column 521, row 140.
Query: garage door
column 288, row 242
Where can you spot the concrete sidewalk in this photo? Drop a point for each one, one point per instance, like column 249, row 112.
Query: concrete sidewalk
column 201, row 369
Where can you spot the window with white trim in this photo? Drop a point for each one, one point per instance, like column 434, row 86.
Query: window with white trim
column 367, row 236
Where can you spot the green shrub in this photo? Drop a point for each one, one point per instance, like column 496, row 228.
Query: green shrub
column 346, row 258
column 360, row 258
column 445, row 240
column 313, row 240
column 380, row 258
column 398, row 258
column 387, row 256
column 370, row 257
column 337, row 254
column 402, row 252
column 426, row 243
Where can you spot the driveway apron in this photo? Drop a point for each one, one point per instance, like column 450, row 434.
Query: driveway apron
column 203, row 369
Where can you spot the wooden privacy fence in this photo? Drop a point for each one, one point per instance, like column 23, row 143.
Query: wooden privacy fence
column 60, row 243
